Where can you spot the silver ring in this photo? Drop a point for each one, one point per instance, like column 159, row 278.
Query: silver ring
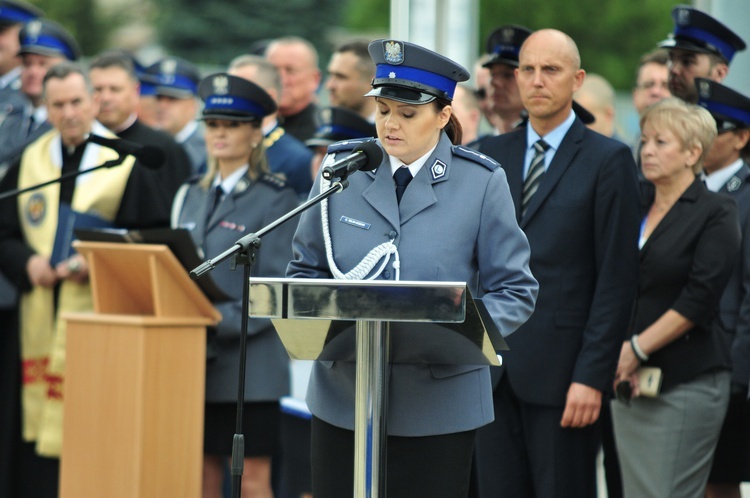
column 74, row 266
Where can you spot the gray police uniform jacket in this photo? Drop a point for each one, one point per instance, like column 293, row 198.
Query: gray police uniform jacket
column 456, row 222
column 251, row 206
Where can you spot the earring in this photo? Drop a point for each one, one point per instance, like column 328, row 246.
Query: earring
column 253, row 146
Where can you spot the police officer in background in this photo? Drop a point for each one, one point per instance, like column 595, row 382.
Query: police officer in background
column 13, row 15
column 286, row 154
column 43, row 43
column 699, row 47
column 337, row 124
column 175, row 87
column 503, row 46
column 726, row 170
column 238, row 195
column 425, row 180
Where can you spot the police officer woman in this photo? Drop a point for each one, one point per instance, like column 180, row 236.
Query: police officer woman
column 236, row 196
column 386, row 228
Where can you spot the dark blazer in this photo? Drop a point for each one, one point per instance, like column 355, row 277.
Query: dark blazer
column 734, row 309
column 251, row 206
column 582, row 226
column 154, row 188
column 685, row 265
column 290, row 157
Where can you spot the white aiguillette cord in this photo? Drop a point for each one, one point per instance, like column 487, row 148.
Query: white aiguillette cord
column 367, row 264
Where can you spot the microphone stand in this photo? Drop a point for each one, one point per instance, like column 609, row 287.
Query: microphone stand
column 62, row 178
column 243, row 252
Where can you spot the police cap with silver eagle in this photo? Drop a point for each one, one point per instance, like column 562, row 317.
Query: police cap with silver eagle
column 696, row 31
column 17, row 12
column 337, row 124
column 46, row 37
column 234, row 99
column 504, row 45
column 408, row 73
column 173, row 77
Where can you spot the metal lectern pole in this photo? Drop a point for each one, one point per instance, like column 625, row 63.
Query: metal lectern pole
column 371, row 409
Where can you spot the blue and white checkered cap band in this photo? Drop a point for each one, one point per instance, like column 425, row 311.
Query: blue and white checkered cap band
column 48, row 42
column 692, row 33
column 12, row 14
column 420, row 76
column 728, row 111
column 217, row 103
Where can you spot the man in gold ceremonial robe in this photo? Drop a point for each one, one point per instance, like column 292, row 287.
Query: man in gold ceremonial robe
column 34, row 243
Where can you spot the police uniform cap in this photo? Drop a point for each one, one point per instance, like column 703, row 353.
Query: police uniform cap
column 234, row 99
column 408, row 73
column 17, row 12
column 46, row 37
column 696, row 31
column 172, row 77
column 729, row 108
column 339, row 123
column 504, row 44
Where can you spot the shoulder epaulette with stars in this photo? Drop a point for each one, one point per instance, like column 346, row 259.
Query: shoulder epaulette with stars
column 273, row 180
column 476, row 157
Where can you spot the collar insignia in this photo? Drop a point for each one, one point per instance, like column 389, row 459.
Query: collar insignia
column 438, row 169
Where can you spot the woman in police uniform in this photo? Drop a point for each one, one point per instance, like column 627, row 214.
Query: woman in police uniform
column 236, row 196
column 433, row 410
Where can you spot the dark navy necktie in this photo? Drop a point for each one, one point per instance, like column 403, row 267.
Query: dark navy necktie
column 401, row 177
column 218, row 196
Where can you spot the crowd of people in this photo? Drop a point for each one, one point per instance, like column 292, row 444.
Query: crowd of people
column 618, row 273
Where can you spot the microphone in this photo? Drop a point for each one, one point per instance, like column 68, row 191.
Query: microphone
column 150, row 156
column 365, row 157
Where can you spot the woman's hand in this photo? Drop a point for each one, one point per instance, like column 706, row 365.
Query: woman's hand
column 628, row 363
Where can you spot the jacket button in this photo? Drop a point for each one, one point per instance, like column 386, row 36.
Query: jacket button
column 387, row 274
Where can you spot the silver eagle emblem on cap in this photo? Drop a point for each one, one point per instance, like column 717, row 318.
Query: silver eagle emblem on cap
column 33, row 29
column 683, row 17
column 394, row 52
column 507, row 35
column 220, row 84
column 704, row 89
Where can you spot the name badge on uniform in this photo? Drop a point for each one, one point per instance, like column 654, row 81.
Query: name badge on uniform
column 355, row 223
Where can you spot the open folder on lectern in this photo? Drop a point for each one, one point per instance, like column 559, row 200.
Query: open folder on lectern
column 177, row 240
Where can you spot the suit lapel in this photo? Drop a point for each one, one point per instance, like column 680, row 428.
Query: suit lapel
column 563, row 158
column 514, row 169
column 675, row 213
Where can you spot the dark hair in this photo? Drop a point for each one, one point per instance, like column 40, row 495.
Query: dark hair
column 453, row 129
column 115, row 58
column 359, row 48
column 64, row 69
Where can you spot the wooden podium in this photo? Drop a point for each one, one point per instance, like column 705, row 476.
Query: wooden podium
column 135, row 378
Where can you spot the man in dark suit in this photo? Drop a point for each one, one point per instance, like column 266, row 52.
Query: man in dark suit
column 116, row 88
column 576, row 198
column 726, row 170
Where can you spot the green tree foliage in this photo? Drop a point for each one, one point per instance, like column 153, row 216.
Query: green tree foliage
column 81, row 18
column 611, row 34
column 214, row 32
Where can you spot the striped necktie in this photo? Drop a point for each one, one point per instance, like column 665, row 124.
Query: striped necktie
column 534, row 175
